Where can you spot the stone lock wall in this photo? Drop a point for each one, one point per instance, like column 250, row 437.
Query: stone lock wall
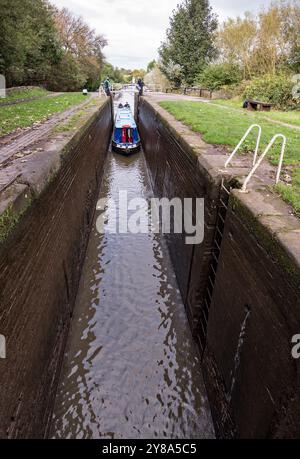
column 255, row 311
column 40, row 266
column 241, row 286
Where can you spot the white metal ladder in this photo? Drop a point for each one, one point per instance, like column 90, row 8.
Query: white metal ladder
column 243, row 140
column 257, row 163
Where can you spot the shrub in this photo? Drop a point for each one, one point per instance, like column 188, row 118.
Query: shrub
column 276, row 89
column 215, row 76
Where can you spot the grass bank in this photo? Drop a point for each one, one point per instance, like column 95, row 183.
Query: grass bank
column 226, row 127
column 289, row 117
column 28, row 113
column 23, row 94
column 8, row 221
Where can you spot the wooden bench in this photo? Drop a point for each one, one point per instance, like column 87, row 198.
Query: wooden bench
column 255, row 105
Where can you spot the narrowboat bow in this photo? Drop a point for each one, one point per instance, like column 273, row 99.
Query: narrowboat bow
column 126, row 139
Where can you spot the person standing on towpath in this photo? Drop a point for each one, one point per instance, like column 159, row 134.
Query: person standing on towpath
column 106, row 86
column 140, row 85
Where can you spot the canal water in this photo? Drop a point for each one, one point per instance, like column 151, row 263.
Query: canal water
column 131, row 368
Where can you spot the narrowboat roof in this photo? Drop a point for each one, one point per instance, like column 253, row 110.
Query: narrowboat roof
column 124, row 117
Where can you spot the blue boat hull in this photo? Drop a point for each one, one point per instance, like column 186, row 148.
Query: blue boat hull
column 126, row 150
column 126, row 139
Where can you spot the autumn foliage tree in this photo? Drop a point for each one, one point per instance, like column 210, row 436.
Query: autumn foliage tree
column 236, row 42
column 81, row 48
column 29, row 46
column 41, row 45
column 263, row 44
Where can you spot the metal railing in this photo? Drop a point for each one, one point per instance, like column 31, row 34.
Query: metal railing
column 257, row 163
column 243, row 140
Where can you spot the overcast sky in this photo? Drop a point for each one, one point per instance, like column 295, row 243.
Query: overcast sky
column 135, row 29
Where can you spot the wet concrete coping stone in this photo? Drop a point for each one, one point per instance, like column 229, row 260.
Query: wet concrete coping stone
column 29, row 172
column 268, row 217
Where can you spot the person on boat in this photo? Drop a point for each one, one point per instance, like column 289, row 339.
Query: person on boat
column 127, row 105
column 140, row 85
column 106, row 86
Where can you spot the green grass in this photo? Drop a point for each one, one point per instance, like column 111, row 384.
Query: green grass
column 292, row 117
column 8, row 221
column 289, row 117
column 291, row 194
column 70, row 124
column 234, row 103
column 226, row 127
column 73, row 122
column 24, row 94
column 27, row 113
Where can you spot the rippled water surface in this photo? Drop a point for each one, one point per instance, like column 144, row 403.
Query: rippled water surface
column 131, row 368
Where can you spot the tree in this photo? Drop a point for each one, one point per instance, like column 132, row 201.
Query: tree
column 270, row 51
column 115, row 74
column 236, row 41
column 28, row 41
column 189, row 45
column 138, row 73
column 290, row 17
column 44, row 46
column 263, row 44
column 81, row 43
column 151, row 65
column 67, row 75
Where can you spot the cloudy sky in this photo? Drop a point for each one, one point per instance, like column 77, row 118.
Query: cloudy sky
column 135, row 29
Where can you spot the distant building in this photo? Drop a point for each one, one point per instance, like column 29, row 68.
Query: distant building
column 156, row 80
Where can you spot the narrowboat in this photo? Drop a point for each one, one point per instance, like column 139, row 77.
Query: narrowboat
column 126, row 139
